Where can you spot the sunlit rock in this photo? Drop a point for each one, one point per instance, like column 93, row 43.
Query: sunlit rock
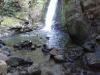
column 3, row 67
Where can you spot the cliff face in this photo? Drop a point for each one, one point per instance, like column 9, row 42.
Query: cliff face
column 22, row 10
column 81, row 18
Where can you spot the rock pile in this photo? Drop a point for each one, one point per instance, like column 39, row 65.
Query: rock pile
column 25, row 45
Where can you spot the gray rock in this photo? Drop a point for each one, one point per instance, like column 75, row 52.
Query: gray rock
column 57, row 55
column 6, row 50
column 46, row 49
column 1, row 46
column 1, row 42
column 38, row 45
column 89, row 46
column 34, row 70
column 3, row 57
column 92, row 60
column 89, row 58
column 25, row 45
column 98, row 39
column 54, row 52
column 47, row 71
column 59, row 58
column 24, row 73
column 19, row 61
column 72, row 53
column 14, row 73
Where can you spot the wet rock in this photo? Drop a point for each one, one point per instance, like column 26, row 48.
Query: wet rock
column 71, row 68
column 55, row 52
column 89, row 46
column 57, row 55
column 24, row 73
column 1, row 46
column 47, row 71
column 98, row 39
column 15, row 61
column 78, row 32
column 89, row 58
column 92, row 61
column 9, row 74
column 20, row 29
column 2, row 43
column 6, row 50
column 47, row 37
column 38, row 45
column 34, row 70
column 3, row 57
column 14, row 73
column 33, row 47
column 72, row 53
column 25, row 45
column 45, row 48
column 59, row 58
column 26, row 29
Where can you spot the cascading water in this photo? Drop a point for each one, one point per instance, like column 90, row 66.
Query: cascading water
column 50, row 15
column 54, row 35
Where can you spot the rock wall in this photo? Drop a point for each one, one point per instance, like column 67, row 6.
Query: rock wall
column 81, row 18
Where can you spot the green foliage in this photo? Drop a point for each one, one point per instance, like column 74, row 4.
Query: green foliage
column 10, row 8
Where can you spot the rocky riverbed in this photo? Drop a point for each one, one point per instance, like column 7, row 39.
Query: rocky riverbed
column 31, row 54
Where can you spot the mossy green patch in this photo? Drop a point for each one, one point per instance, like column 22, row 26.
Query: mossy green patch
column 10, row 21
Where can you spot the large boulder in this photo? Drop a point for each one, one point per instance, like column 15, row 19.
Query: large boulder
column 77, row 27
column 78, row 31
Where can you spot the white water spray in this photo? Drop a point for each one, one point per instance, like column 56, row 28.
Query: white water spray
column 50, row 15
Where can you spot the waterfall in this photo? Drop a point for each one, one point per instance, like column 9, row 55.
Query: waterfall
column 50, row 15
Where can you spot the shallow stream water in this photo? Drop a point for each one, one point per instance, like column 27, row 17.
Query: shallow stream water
column 57, row 38
column 53, row 38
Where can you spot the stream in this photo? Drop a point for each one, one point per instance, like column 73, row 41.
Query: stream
column 56, row 39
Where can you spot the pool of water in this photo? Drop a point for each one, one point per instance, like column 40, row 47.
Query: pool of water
column 57, row 39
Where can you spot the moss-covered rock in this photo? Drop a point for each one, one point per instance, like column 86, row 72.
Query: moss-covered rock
column 76, row 26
